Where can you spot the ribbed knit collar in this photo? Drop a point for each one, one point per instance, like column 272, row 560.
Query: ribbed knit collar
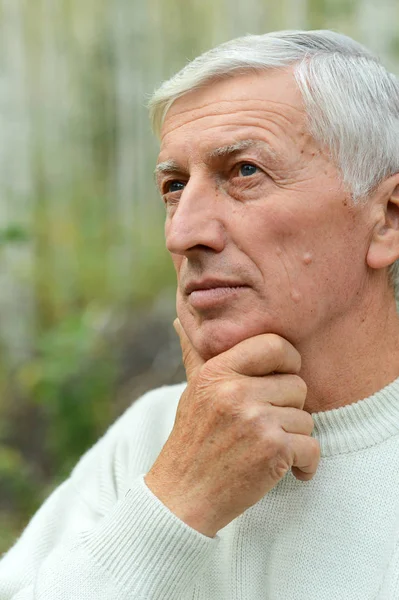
column 359, row 425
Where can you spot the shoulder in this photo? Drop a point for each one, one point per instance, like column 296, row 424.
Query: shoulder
column 152, row 414
column 131, row 444
column 154, row 410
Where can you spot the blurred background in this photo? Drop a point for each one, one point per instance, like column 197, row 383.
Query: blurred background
column 86, row 287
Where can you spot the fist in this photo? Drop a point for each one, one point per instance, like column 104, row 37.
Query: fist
column 240, row 426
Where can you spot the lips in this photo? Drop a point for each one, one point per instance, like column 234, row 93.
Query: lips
column 211, row 283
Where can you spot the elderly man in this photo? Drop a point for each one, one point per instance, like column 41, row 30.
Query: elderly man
column 272, row 474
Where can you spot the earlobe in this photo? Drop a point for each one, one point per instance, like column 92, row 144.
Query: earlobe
column 384, row 245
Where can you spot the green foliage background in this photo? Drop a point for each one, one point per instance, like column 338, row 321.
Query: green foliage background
column 81, row 227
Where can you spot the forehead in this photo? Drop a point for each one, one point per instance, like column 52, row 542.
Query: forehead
column 265, row 105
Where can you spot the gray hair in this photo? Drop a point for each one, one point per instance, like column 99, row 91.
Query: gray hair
column 351, row 100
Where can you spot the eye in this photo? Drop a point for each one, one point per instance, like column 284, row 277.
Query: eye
column 247, row 169
column 174, row 186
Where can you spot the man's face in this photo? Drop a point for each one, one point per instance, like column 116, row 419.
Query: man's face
column 258, row 223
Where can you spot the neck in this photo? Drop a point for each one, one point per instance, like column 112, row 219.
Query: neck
column 352, row 358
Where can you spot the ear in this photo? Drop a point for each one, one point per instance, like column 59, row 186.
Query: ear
column 384, row 244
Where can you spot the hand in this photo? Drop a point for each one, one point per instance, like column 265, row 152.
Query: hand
column 239, row 428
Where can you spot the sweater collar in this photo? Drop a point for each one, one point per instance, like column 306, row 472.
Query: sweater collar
column 359, row 425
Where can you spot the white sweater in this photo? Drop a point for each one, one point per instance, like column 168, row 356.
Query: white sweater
column 102, row 535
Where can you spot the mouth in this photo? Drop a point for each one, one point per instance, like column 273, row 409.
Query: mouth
column 212, row 284
column 206, row 294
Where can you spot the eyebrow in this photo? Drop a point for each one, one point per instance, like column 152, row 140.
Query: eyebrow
column 241, row 145
column 168, row 166
column 171, row 166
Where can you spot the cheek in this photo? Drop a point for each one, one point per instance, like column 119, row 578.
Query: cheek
column 277, row 243
column 177, row 260
column 300, row 254
column 190, row 322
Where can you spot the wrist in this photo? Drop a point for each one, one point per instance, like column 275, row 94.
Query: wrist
column 197, row 515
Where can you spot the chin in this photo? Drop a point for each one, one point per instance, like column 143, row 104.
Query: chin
column 212, row 338
column 208, row 349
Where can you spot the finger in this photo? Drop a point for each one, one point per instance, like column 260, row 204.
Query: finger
column 279, row 390
column 294, row 420
column 261, row 355
column 307, row 456
column 191, row 359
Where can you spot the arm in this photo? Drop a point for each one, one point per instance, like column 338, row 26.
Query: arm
column 102, row 534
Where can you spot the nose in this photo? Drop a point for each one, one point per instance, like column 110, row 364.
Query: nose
column 197, row 222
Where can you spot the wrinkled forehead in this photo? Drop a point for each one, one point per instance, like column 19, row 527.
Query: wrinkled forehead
column 277, row 87
column 265, row 106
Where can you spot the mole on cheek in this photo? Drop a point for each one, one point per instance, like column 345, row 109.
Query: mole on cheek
column 296, row 296
column 307, row 258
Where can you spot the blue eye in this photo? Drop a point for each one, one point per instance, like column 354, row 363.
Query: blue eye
column 247, row 170
column 175, row 186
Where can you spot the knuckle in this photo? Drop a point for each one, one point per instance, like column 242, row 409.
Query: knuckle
column 279, row 348
column 273, row 441
column 221, row 406
column 309, row 423
column 276, row 346
column 301, row 386
column 297, row 390
column 277, row 454
column 228, row 389
column 252, row 415
column 315, row 448
column 226, row 398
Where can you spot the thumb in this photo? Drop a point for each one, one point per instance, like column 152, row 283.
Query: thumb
column 191, row 359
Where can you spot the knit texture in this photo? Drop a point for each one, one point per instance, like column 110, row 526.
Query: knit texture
column 103, row 535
